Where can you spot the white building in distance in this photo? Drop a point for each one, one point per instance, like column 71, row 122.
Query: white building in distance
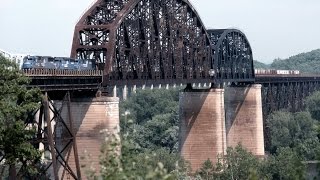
column 17, row 58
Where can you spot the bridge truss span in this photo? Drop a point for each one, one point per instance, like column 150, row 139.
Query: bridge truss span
column 233, row 55
column 141, row 41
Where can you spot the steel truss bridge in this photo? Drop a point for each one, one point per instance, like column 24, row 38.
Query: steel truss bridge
column 153, row 42
column 148, row 42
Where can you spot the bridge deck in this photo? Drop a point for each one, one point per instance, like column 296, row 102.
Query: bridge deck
column 262, row 79
column 63, row 80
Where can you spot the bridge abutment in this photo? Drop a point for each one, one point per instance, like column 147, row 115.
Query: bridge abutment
column 244, row 120
column 202, row 126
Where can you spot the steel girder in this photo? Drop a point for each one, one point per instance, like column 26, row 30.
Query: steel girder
column 145, row 41
column 54, row 136
column 275, row 97
column 232, row 55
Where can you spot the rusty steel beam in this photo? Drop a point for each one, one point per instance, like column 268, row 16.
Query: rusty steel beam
column 56, row 135
column 50, row 136
column 233, row 55
column 145, row 40
column 73, row 134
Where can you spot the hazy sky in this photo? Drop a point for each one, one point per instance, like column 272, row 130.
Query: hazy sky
column 275, row 28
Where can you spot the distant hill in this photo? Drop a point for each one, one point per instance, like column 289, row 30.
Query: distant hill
column 260, row 65
column 308, row 62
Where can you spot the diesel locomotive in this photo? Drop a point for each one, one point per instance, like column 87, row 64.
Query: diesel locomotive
column 59, row 63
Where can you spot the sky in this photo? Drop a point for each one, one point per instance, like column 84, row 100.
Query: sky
column 274, row 28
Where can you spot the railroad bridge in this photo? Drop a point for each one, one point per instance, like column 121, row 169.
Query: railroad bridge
column 149, row 43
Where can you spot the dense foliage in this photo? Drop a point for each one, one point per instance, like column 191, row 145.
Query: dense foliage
column 130, row 164
column 240, row 164
column 294, row 130
column 151, row 118
column 16, row 102
column 149, row 137
column 313, row 105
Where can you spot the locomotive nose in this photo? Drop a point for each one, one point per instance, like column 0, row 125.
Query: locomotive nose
column 26, row 65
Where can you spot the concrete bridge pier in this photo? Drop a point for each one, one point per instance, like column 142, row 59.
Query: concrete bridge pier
column 213, row 119
column 244, row 120
column 202, row 125
column 91, row 117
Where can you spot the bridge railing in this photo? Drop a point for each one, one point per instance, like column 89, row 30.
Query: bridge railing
column 61, row 72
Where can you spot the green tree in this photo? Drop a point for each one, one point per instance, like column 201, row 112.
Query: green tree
column 294, row 130
column 151, row 119
column 207, row 171
column 130, row 164
column 278, row 123
column 313, row 105
column 286, row 164
column 16, row 102
column 236, row 164
column 156, row 133
column 145, row 104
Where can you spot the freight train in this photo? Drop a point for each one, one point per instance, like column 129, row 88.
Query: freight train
column 59, row 63
column 276, row 72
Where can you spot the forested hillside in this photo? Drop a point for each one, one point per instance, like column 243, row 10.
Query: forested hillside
column 305, row 62
column 260, row 65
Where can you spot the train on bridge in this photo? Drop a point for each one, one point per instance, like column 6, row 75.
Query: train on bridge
column 65, row 63
column 57, row 63
column 274, row 72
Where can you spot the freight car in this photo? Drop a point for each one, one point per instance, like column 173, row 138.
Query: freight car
column 61, row 63
column 276, row 72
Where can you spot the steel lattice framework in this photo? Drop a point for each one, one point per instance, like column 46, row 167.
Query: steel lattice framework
column 163, row 41
column 275, row 91
column 145, row 41
column 54, row 135
column 232, row 55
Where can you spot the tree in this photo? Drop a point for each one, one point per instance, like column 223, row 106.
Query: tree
column 149, row 138
column 130, row 164
column 207, row 171
column 293, row 130
column 153, row 119
column 157, row 133
column 146, row 104
column 278, row 123
column 236, row 164
column 286, row 164
column 16, row 102
column 313, row 105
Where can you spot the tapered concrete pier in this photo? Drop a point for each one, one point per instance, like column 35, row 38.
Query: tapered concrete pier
column 244, row 121
column 202, row 126
column 92, row 117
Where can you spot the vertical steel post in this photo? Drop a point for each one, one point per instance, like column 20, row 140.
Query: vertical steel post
column 75, row 148
column 50, row 135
